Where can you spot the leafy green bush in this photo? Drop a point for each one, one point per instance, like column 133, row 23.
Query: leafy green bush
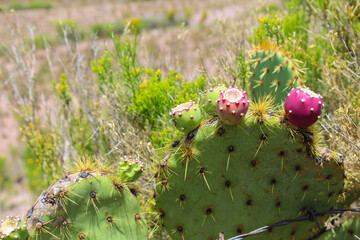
column 67, row 27
column 38, row 4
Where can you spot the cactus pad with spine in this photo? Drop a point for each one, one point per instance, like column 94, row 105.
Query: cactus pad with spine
column 271, row 72
column 240, row 178
column 87, row 205
column 13, row 228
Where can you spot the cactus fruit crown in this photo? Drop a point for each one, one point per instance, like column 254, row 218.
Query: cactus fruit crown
column 13, row 228
column 187, row 116
column 217, row 178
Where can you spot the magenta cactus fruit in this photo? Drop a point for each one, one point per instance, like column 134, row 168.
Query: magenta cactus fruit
column 303, row 107
column 232, row 105
column 186, row 117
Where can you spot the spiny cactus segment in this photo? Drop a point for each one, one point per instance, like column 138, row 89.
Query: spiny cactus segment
column 130, row 169
column 187, row 116
column 272, row 73
column 237, row 178
column 90, row 204
column 232, row 105
column 303, row 107
column 209, row 97
column 13, row 228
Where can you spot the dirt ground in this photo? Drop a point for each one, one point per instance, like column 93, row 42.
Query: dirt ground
column 185, row 49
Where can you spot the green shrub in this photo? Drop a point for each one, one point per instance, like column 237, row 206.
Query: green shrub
column 38, row 4
column 66, row 27
column 40, row 41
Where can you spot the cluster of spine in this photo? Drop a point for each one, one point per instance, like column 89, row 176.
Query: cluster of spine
column 90, row 204
column 13, row 228
column 272, row 73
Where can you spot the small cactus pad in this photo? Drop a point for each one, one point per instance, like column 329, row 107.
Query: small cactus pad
column 232, row 105
column 87, row 205
column 209, row 97
column 349, row 230
column 187, row 116
column 303, row 107
column 272, row 73
column 130, row 169
column 13, row 228
column 240, row 178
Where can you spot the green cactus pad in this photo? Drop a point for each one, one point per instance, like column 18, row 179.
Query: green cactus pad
column 209, row 97
column 13, row 228
column 240, row 178
column 346, row 231
column 272, row 73
column 187, row 116
column 87, row 205
column 130, row 169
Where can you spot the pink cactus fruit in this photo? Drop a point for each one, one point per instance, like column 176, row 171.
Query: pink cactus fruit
column 232, row 105
column 303, row 107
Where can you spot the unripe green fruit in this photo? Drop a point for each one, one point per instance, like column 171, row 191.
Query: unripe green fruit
column 186, row 117
column 209, row 97
column 130, row 169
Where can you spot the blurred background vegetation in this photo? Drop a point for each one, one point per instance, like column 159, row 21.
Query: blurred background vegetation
column 86, row 78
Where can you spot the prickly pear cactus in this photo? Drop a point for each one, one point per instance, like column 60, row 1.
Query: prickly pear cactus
column 89, row 204
column 272, row 73
column 237, row 178
column 13, row 228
